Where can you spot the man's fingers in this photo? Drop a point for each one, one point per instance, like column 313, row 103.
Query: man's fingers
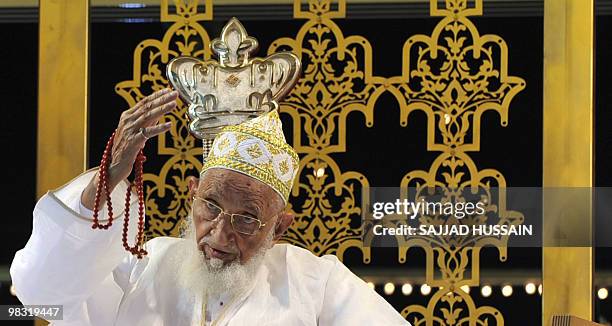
column 152, row 97
column 150, row 117
column 147, row 133
column 159, row 101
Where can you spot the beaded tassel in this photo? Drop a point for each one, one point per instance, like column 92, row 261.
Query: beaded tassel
column 138, row 249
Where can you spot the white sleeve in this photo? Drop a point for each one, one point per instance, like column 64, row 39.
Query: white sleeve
column 65, row 261
column 350, row 301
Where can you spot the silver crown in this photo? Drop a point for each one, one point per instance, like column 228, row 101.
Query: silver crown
column 234, row 89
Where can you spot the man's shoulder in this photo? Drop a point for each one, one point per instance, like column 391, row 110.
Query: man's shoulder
column 160, row 245
column 299, row 259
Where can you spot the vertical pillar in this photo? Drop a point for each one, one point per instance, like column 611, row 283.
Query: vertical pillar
column 568, row 158
column 62, row 92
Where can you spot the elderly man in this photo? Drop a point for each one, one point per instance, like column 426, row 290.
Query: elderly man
column 226, row 270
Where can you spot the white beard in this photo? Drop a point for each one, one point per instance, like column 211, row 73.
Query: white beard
column 212, row 277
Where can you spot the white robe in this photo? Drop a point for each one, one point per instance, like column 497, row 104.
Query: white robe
column 98, row 283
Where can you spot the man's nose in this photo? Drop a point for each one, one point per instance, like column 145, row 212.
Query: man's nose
column 223, row 229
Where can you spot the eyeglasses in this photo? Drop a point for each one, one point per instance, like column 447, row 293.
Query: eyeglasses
column 210, row 211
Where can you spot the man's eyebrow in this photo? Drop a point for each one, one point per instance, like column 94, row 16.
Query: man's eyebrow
column 252, row 209
column 209, row 192
column 206, row 193
column 209, row 189
column 249, row 207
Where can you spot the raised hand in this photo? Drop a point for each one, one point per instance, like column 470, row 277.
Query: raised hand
column 136, row 126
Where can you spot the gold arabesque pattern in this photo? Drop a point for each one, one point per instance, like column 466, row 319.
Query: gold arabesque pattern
column 336, row 80
column 453, row 76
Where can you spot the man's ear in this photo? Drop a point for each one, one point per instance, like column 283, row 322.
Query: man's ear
column 193, row 185
column 284, row 221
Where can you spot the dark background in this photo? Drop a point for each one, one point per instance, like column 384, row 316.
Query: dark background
column 516, row 150
column 603, row 145
column 19, row 91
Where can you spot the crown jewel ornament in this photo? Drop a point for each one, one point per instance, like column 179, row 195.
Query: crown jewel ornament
column 234, row 89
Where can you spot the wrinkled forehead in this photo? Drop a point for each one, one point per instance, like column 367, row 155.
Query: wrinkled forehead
column 221, row 179
column 236, row 187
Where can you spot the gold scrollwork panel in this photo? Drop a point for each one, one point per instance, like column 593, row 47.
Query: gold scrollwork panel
column 454, row 75
column 336, row 81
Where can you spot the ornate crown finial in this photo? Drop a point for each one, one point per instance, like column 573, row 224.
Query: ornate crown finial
column 234, row 89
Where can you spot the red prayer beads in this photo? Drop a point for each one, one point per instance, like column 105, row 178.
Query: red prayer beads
column 138, row 249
